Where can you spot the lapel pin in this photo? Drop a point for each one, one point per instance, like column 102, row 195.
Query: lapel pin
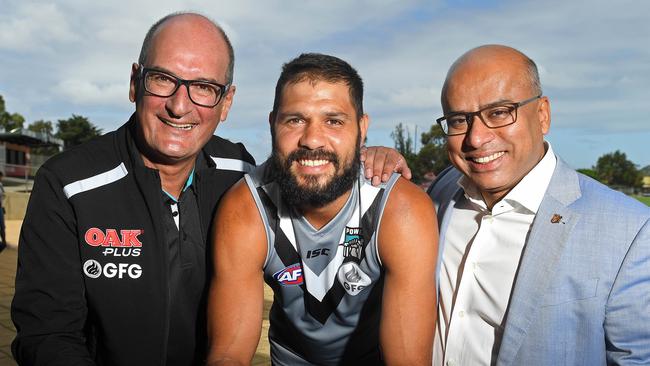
column 556, row 218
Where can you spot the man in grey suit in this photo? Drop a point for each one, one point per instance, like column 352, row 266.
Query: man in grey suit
column 540, row 265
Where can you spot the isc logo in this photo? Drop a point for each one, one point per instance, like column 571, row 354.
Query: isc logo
column 316, row 252
column 289, row 276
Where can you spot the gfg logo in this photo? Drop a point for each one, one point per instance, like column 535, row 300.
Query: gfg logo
column 93, row 269
column 353, row 279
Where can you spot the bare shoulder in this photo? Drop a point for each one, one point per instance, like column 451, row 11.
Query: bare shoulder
column 409, row 222
column 238, row 226
column 405, row 195
column 238, row 196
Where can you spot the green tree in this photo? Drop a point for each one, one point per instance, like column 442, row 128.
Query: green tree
column 44, row 127
column 589, row 172
column 41, row 126
column 76, row 130
column 432, row 156
column 9, row 121
column 404, row 145
column 614, row 169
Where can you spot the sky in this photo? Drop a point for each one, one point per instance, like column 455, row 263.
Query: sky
column 74, row 57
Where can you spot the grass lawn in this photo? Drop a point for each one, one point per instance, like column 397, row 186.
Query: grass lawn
column 643, row 199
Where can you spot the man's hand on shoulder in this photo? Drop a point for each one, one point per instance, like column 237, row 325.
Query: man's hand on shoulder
column 380, row 162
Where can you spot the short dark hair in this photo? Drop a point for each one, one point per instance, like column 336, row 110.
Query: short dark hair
column 146, row 44
column 317, row 66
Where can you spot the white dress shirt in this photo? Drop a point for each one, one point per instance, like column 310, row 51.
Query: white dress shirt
column 481, row 255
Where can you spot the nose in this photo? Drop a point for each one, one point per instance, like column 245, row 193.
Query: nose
column 179, row 103
column 312, row 136
column 478, row 133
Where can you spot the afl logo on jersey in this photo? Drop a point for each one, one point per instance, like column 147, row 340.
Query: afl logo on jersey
column 289, row 276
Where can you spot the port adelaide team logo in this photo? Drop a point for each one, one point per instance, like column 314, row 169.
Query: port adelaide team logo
column 353, row 242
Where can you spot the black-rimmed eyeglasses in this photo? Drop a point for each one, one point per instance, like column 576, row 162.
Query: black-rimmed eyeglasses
column 162, row 84
column 494, row 116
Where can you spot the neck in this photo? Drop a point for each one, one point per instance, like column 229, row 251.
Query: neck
column 491, row 199
column 172, row 176
column 320, row 216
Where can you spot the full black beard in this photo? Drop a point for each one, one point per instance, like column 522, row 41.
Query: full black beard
column 312, row 195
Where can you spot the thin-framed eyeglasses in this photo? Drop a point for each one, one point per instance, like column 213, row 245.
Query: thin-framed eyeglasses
column 201, row 92
column 493, row 116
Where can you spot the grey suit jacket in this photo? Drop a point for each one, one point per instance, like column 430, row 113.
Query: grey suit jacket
column 582, row 291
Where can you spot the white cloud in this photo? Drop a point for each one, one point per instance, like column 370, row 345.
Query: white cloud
column 86, row 92
column 31, row 26
column 593, row 57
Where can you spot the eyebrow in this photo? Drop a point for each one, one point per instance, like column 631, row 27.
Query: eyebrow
column 166, row 71
column 284, row 115
column 491, row 104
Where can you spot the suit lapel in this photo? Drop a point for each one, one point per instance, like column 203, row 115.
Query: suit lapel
column 544, row 247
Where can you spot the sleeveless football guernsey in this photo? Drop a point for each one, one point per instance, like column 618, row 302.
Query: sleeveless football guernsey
column 327, row 283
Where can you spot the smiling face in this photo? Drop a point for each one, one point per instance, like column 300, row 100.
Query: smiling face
column 316, row 141
column 174, row 129
column 495, row 159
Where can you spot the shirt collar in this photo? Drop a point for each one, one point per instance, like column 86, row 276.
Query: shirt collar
column 527, row 194
column 188, row 184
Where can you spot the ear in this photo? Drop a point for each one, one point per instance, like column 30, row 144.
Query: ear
column 227, row 102
column 544, row 114
column 271, row 125
column 364, row 122
column 133, row 84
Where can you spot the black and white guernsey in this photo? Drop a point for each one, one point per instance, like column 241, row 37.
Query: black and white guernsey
column 328, row 283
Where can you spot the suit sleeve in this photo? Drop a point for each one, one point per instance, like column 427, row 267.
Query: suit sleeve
column 627, row 318
column 49, row 308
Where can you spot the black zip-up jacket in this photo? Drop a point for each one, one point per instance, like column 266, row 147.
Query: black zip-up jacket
column 92, row 283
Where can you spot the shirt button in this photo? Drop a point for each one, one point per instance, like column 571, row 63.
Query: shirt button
column 451, row 362
column 474, row 266
column 461, row 313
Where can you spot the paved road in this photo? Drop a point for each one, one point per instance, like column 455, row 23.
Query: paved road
column 7, row 281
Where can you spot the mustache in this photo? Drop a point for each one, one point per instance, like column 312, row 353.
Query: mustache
column 306, row 154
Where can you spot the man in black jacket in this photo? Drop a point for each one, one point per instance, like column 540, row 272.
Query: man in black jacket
column 112, row 254
column 112, row 258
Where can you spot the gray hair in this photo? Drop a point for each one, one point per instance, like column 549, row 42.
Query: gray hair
column 146, row 44
column 533, row 75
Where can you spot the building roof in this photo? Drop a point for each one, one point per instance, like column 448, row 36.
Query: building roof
column 30, row 138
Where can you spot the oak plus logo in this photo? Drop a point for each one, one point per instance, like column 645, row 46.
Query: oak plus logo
column 94, row 269
column 125, row 243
